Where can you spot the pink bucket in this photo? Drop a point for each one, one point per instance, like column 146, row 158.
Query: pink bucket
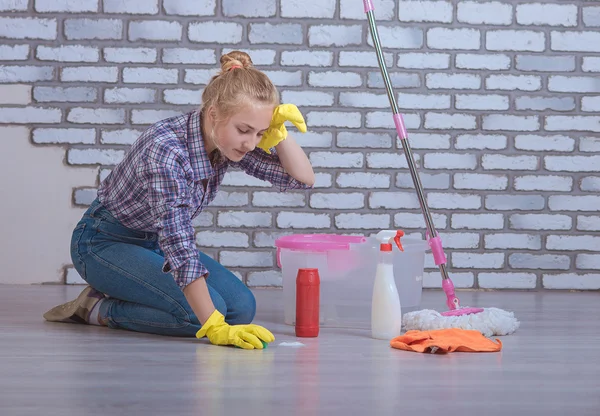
column 316, row 242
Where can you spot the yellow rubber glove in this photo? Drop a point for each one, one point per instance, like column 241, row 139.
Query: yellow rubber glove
column 277, row 131
column 248, row 336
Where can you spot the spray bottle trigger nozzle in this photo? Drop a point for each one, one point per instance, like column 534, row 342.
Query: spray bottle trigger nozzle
column 399, row 234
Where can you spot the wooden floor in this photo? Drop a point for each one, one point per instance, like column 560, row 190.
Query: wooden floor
column 551, row 366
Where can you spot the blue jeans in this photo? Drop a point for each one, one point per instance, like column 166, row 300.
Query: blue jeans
column 126, row 265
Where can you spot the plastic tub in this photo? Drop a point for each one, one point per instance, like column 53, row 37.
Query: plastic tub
column 347, row 267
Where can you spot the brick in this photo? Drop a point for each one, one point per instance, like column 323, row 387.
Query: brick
column 397, row 38
column 268, row 238
column 544, row 143
column 70, row 53
column 131, row 6
column 547, row 14
column 441, row 121
column 590, row 104
column 481, row 142
column 425, row 11
column 351, row 200
column 157, row 30
column 483, row 61
column 415, row 60
column 544, row 261
column 334, row 79
column 323, row 180
column 575, row 41
column 589, row 63
column 574, row 123
column 363, row 180
column 190, row 8
column 15, row 94
column 222, row 239
column 450, row 161
column 285, row 78
column 124, row 136
column 478, row 260
column 573, row 242
column 94, row 156
column 588, row 223
column 85, row 196
column 276, row 199
column 385, row 10
column 308, row 8
column 482, row 102
column 336, row 159
column 215, row 32
column 428, row 141
column 96, row 115
column 572, row 163
column 183, row 97
column 188, row 56
column 242, row 219
column 126, row 55
column 362, row 221
column 100, row 29
column 363, row 59
column 540, row 222
column 364, row 100
column 406, row 220
column 545, row 103
column 151, row 116
column 545, row 63
column 423, row 101
column 246, row 258
column 389, row 160
column 488, row 13
column 13, row 74
column 453, row 81
column 235, row 8
column 314, row 139
column 204, row 219
column 591, row 184
column 199, row 76
column 26, row 115
column 515, row 40
column 140, row 75
column 269, row 278
column 335, row 35
column 230, row 199
column 513, row 82
column 588, row 261
column 503, row 162
column 306, row 58
column 258, row 56
column 67, row 6
column 303, row 220
column 480, row 181
column 589, row 144
column 13, row 5
column 364, row 140
column 453, row 201
column 28, row 28
column 460, row 280
column 14, row 52
column 129, row 95
column 282, row 33
column 59, row 136
column 307, row 98
column 333, row 119
column 89, row 74
column 457, row 39
column 398, row 79
column 591, row 16
column 544, row 183
column 428, row 180
column 572, row 281
column 241, row 179
column 573, row 84
column 574, row 203
column 478, row 221
column 397, row 200
column 460, row 240
column 383, row 120
column 511, row 123
column 514, row 202
column 507, row 280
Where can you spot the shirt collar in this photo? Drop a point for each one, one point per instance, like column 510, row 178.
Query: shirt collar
column 195, row 144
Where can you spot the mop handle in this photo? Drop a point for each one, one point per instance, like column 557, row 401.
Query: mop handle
column 433, row 238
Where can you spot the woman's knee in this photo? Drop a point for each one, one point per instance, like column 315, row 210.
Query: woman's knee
column 244, row 309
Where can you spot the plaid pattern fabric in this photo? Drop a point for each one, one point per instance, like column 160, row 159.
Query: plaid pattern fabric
column 159, row 187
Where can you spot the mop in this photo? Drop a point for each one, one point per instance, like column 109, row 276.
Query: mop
column 489, row 321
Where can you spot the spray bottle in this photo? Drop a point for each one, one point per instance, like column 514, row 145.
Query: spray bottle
column 386, row 313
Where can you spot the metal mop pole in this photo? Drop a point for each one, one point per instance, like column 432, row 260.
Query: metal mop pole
column 433, row 238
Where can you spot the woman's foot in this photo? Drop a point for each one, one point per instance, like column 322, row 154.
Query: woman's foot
column 76, row 311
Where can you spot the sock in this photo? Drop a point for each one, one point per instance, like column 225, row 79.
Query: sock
column 94, row 314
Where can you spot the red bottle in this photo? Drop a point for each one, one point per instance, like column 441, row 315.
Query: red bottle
column 307, row 302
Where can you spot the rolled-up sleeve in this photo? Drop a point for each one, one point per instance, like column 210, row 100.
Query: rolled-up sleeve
column 169, row 201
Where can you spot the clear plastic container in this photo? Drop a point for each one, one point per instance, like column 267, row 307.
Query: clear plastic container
column 347, row 266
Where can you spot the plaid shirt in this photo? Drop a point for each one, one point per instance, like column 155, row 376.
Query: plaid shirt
column 159, row 187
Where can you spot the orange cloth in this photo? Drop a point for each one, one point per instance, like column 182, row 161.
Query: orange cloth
column 443, row 341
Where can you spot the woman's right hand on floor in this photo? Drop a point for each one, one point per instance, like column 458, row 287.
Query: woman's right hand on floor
column 248, row 336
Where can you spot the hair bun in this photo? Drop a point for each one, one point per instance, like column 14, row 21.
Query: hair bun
column 235, row 58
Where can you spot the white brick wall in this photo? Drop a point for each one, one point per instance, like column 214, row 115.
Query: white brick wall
column 501, row 100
